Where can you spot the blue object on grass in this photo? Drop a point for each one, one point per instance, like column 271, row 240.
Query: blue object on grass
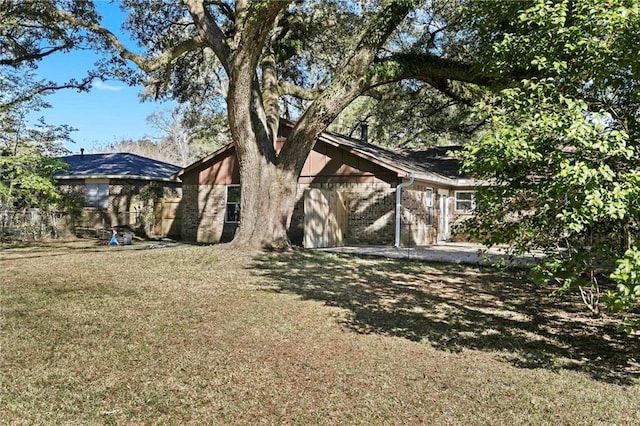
column 114, row 240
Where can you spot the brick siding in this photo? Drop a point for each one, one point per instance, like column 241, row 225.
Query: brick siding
column 371, row 218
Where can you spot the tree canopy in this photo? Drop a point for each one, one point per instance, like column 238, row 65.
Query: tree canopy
column 562, row 148
column 31, row 31
column 26, row 150
column 264, row 59
column 411, row 114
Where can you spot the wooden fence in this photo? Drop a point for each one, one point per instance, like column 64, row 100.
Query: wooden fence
column 168, row 218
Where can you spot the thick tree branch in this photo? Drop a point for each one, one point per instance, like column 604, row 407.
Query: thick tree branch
column 350, row 82
column 223, row 7
column 209, row 32
column 453, row 89
column 41, row 89
column 247, row 117
column 287, row 88
column 254, row 22
column 374, row 93
column 425, row 67
column 147, row 65
column 270, row 94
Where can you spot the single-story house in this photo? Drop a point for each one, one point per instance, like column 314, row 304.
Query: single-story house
column 348, row 188
column 119, row 190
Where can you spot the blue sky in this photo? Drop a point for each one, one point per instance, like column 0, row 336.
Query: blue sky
column 110, row 112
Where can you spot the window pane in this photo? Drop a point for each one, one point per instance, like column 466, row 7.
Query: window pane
column 233, row 212
column 429, row 197
column 97, row 195
column 233, row 204
column 465, row 201
column 463, row 205
column 233, row 194
column 429, row 206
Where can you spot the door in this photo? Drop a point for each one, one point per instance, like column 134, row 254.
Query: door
column 443, row 216
column 325, row 218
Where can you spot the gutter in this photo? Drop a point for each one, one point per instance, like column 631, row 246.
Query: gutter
column 399, row 206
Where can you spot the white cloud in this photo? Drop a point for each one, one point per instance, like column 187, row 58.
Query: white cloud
column 101, row 85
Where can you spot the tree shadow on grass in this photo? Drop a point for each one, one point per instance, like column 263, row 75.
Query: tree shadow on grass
column 455, row 307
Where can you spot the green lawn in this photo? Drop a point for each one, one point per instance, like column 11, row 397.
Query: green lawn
column 198, row 335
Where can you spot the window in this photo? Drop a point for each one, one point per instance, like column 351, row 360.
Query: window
column 465, row 201
column 96, row 194
column 232, row 214
column 428, row 204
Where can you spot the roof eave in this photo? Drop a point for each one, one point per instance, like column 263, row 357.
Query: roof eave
column 402, row 172
column 453, row 182
column 328, row 138
column 133, row 177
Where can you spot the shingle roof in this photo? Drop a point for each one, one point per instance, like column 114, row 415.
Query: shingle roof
column 433, row 160
column 437, row 160
column 116, row 165
column 428, row 164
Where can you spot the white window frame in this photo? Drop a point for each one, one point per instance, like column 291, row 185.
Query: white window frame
column 227, row 203
column 96, row 193
column 472, row 201
column 429, row 206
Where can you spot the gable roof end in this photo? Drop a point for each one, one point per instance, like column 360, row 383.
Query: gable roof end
column 431, row 165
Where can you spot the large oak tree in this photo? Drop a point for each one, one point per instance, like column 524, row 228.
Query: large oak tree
column 562, row 145
column 314, row 58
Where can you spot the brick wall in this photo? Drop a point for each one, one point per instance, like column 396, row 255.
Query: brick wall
column 131, row 203
column 372, row 214
column 203, row 214
column 371, row 218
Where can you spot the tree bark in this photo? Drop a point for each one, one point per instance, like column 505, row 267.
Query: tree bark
column 267, row 201
column 268, row 193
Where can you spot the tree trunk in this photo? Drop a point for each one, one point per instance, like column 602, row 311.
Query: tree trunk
column 267, row 201
column 269, row 183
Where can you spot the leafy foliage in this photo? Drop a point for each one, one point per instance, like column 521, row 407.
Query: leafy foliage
column 26, row 181
column 26, row 151
column 627, row 278
column 562, row 150
column 33, row 30
column 410, row 115
column 27, row 156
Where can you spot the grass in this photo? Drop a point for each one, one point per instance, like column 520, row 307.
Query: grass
column 198, row 335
